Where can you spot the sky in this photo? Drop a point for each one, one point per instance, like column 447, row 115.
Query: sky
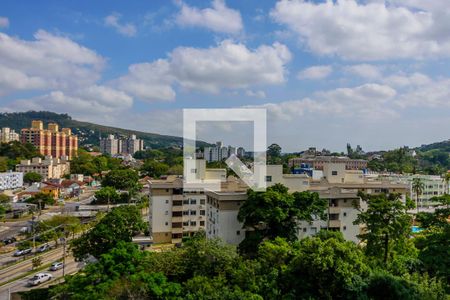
column 374, row 73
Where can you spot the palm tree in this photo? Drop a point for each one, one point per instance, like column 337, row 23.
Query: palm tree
column 418, row 186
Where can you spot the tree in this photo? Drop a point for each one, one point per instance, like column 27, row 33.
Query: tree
column 3, row 164
column 418, row 186
column 120, row 224
column 154, row 168
column 4, row 199
column 387, row 223
column 447, row 180
column 107, row 195
column 41, row 199
column 275, row 213
column 121, row 179
column 32, row 177
column 274, row 154
column 36, row 262
column 324, row 267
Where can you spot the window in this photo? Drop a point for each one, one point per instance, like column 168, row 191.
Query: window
column 344, row 228
column 193, row 171
column 238, row 232
column 202, row 212
column 193, row 212
column 313, row 230
column 334, row 173
column 202, row 201
column 186, row 201
column 193, row 201
column 186, row 223
column 167, row 212
column 185, row 213
column 193, row 223
column 167, row 201
column 304, row 229
column 268, row 178
column 167, row 223
column 202, row 223
column 345, row 214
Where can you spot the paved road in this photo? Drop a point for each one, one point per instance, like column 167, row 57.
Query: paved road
column 22, row 284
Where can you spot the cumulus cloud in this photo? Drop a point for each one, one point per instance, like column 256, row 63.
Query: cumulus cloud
column 218, row 18
column 4, row 22
column 229, row 65
column 93, row 100
column 126, row 29
column 257, row 94
column 315, row 72
column 364, row 70
column 47, row 62
column 426, row 94
column 368, row 101
column 371, row 30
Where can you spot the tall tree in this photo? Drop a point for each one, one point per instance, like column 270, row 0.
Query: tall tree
column 32, row 177
column 276, row 213
column 387, row 223
column 418, row 186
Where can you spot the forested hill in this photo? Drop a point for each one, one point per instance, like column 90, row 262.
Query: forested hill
column 87, row 132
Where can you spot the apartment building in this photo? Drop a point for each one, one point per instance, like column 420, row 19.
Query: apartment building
column 114, row 146
column 8, row 135
column 11, row 180
column 48, row 168
column 177, row 210
column 51, row 141
column 220, row 152
column 318, row 162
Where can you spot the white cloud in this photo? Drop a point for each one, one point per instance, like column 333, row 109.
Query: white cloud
column 126, row 29
column 364, row 71
column 93, row 101
column 218, row 18
column 148, row 81
column 229, row 65
column 407, row 80
column 315, row 72
column 426, row 94
column 4, row 22
column 48, row 62
column 257, row 94
column 368, row 101
column 373, row 30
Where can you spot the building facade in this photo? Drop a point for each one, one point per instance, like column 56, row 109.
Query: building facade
column 113, row 145
column 8, row 135
column 51, row 141
column 318, row 162
column 11, row 180
column 220, row 152
column 48, row 168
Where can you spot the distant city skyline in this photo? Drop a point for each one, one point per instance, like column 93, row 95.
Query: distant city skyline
column 328, row 72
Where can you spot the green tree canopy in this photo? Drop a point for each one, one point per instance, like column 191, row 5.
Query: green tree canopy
column 124, row 179
column 32, row 177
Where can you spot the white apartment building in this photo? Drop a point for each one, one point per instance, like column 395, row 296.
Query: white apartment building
column 8, row 135
column 113, row 145
column 177, row 211
column 11, row 180
column 219, row 152
column 48, row 168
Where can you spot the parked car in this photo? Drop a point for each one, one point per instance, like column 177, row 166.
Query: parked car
column 43, row 248
column 56, row 266
column 40, row 278
column 9, row 240
column 23, row 252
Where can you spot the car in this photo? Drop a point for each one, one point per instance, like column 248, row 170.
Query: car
column 56, row 266
column 22, row 252
column 40, row 278
column 43, row 248
column 9, row 240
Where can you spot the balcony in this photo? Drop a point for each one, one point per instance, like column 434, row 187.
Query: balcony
column 176, row 219
column 334, row 223
column 177, row 208
column 177, row 230
column 177, row 197
column 177, row 240
column 334, row 210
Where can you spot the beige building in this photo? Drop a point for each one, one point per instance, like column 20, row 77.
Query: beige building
column 8, row 135
column 177, row 211
column 48, row 168
column 318, row 162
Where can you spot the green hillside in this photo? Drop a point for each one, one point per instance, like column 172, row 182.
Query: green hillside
column 88, row 133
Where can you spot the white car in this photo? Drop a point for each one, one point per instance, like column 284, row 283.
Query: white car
column 56, row 266
column 40, row 278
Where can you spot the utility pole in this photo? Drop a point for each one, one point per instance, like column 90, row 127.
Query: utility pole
column 64, row 251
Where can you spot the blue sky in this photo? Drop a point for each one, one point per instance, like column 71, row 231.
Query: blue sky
column 374, row 72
